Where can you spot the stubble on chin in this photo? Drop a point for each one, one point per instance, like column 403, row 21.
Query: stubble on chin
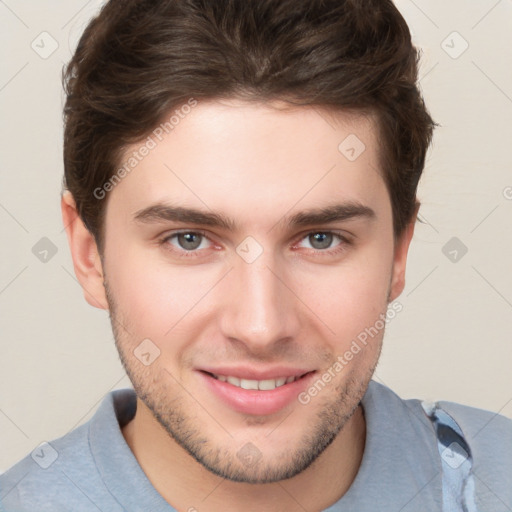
column 183, row 417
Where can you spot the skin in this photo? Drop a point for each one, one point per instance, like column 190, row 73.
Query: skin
column 299, row 303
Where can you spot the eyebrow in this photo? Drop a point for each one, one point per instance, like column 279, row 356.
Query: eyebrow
column 325, row 215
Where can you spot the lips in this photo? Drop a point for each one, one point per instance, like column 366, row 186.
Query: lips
column 258, row 393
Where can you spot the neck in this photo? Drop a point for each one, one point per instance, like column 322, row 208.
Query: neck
column 186, row 485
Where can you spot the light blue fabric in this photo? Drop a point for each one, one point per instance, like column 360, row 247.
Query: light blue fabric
column 457, row 461
column 92, row 467
column 489, row 438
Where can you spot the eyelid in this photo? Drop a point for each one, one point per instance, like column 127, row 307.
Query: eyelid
column 345, row 239
column 165, row 239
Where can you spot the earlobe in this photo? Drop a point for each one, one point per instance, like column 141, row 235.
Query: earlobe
column 84, row 251
column 400, row 258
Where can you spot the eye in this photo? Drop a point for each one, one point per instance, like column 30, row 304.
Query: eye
column 322, row 240
column 188, row 240
column 191, row 243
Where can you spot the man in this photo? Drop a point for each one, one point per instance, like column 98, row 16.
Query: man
column 240, row 196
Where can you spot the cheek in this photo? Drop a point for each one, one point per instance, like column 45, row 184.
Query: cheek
column 350, row 297
column 151, row 296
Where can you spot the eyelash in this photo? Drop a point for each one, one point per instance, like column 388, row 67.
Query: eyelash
column 341, row 247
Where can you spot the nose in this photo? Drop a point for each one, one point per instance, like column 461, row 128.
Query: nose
column 259, row 308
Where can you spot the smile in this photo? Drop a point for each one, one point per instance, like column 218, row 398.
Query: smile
column 262, row 385
column 256, row 396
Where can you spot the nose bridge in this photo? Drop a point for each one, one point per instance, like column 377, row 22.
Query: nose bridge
column 259, row 309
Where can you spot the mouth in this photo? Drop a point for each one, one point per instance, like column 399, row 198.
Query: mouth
column 261, row 385
column 246, row 394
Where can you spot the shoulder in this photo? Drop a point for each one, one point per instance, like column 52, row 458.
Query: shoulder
column 480, row 427
column 488, row 434
column 42, row 479
column 479, row 421
column 58, row 475
column 488, row 438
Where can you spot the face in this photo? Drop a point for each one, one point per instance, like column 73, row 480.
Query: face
column 248, row 249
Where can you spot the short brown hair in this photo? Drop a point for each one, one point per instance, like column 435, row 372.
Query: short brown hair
column 139, row 59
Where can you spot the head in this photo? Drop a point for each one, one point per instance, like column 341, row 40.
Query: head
column 242, row 184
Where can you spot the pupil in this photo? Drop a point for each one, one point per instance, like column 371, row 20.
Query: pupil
column 189, row 240
column 321, row 240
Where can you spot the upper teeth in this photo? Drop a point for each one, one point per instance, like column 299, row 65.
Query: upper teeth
column 264, row 385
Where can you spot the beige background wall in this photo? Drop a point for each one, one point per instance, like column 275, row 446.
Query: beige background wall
column 451, row 341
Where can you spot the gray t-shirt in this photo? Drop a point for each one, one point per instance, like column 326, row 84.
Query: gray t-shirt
column 403, row 467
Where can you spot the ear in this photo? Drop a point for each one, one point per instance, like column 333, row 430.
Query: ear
column 86, row 258
column 400, row 258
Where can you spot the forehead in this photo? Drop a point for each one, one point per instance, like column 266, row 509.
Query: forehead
column 253, row 161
